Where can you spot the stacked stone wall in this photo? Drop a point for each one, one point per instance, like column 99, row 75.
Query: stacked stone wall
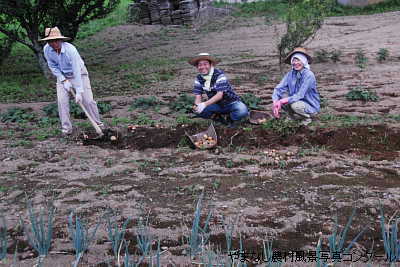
column 166, row 12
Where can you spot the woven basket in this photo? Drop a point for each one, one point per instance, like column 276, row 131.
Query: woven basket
column 259, row 117
column 200, row 136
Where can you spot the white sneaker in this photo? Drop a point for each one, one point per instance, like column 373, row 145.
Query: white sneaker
column 66, row 133
column 306, row 122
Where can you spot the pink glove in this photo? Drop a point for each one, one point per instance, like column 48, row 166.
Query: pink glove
column 284, row 101
column 276, row 108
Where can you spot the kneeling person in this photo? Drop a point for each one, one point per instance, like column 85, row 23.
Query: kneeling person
column 221, row 97
column 297, row 92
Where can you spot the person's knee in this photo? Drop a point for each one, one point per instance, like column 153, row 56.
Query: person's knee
column 241, row 111
column 297, row 105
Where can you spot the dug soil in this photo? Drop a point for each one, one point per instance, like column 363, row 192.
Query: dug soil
column 293, row 188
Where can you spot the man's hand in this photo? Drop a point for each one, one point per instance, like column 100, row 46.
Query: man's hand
column 67, row 85
column 78, row 98
column 200, row 107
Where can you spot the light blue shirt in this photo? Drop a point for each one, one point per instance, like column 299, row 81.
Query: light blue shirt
column 66, row 65
column 304, row 90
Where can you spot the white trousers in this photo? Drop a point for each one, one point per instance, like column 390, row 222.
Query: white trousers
column 87, row 101
column 299, row 108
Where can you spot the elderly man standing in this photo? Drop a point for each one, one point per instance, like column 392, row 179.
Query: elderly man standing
column 222, row 99
column 67, row 65
column 297, row 92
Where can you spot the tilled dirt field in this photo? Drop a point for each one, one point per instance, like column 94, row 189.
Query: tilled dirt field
column 285, row 188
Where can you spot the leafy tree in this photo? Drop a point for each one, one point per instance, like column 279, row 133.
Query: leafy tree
column 24, row 21
column 5, row 47
column 304, row 18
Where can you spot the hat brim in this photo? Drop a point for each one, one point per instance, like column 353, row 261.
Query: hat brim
column 195, row 60
column 55, row 38
column 289, row 57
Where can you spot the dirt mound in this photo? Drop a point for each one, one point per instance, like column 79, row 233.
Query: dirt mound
column 378, row 142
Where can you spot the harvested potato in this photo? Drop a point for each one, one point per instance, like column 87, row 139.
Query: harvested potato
column 205, row 142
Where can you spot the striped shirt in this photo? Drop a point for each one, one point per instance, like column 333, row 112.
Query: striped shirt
column 219, row 83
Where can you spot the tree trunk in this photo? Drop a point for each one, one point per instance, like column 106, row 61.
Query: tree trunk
column 38, row 50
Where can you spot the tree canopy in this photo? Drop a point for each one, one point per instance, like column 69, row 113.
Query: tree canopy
column 24, row 21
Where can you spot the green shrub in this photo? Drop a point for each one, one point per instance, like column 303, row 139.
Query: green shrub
column 16, row 114
column 183, row 119
column 104, row 106
column 362, row 94
column 382, row 55
column 282, row 127
column 145, row 103
column 5, row 48
column 324, row 102
column 303, row 19
column 335, row 55
column 184, row 103
column 321, row 55
column 361, row 60
column 251, row 100
column 51, row 110
column 143, row 119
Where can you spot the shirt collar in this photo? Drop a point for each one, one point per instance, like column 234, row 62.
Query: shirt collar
column 301, row 72
column 62, row 48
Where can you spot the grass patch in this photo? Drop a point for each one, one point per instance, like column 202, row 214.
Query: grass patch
column 117, row 17
column 279, row 8
column 386, row 6
column 253, row 9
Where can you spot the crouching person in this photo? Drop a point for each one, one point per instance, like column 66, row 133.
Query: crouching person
column 222, row 99
column 297, row 92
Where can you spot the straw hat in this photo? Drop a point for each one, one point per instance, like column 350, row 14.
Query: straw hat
column 53, row 34
column 298, row 50
column 203, row 56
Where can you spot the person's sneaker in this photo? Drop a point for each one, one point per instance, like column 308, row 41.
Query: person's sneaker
column 102, row 126
column 233, row 125
column 66, row 133
column 306, row 122
column 220, row 119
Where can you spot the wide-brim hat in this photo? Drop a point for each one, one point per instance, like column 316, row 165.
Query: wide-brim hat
column 203, row 56
column 53, row 34
column 298, row 50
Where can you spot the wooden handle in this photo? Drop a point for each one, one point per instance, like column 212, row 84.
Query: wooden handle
column 94, row 124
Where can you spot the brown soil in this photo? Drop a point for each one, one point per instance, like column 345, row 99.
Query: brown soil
column 291, row 197
column 377, row 141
